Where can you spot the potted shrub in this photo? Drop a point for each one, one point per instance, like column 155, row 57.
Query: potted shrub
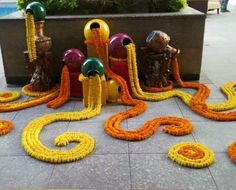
column 107, row 6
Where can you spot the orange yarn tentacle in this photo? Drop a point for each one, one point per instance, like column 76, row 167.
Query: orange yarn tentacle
column 64, row 94
column 198, row 102
column 176, row 126
column 5, row 127
column 231, row 151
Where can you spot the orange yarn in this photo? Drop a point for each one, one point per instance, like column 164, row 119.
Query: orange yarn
column 5, row 127
column 176, row 126
column 198, row 102
column 14, row 106
column 64, row 94
column 6, row 95
column 231, row 151
column 191, row 152
column 154, row 89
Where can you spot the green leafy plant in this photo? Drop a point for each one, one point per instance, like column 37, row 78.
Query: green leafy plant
column 167, row 5
column 52, row 6
column 112, row 6
column 130, row 6
column 107, row 6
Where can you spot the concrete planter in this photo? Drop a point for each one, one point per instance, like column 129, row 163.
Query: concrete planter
column 185, row 28
column 200, row 5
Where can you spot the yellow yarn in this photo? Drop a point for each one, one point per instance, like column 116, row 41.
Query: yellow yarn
column 227, row 88
column 14, row 106
column 191, row 154
column 9, row 96
column 30, row 137
column 30, row 37
column 27, row 92
column 85, row 86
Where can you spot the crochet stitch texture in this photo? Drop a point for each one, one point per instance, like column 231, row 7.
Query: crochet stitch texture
column 191, row 154
column 33, row 146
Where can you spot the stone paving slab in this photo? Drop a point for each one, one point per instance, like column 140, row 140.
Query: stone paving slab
column 94, row 172
column 156, row 171
column 158, row 109
column 215, row 135
column 224, row 172
column 160, row 142
column 104, row 143
column 11, row 143
column 50, row 132
column 23, row 172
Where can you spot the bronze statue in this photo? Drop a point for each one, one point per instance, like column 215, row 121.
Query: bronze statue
column 157, row 57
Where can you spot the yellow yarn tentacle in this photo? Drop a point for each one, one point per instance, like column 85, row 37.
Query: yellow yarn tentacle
column 228, row 88
column 230, row 91
column 26, row 91
column 30, row 36
column 14, row 106
column 33, row 146
column 9, row 96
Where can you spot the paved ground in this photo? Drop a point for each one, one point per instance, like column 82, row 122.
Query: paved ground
column 139, row 165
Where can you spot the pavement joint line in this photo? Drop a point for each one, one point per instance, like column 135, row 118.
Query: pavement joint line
column 100, row 154
column 130, row 171
column 213, row 178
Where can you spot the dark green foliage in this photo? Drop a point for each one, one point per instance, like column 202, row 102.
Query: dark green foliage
column 108, row 6
column 166, row 5
column 112, row 6
column 52, row 6
column 130, row 6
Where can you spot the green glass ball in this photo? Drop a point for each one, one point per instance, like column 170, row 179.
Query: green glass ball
column 37, row 9
column 92, row 66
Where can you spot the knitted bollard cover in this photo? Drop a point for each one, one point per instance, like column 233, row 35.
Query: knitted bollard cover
column 191, row 154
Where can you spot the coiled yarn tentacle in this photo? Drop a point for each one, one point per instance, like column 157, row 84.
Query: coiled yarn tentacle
column 33, row 146
column 177, row 126
column 197, row 102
